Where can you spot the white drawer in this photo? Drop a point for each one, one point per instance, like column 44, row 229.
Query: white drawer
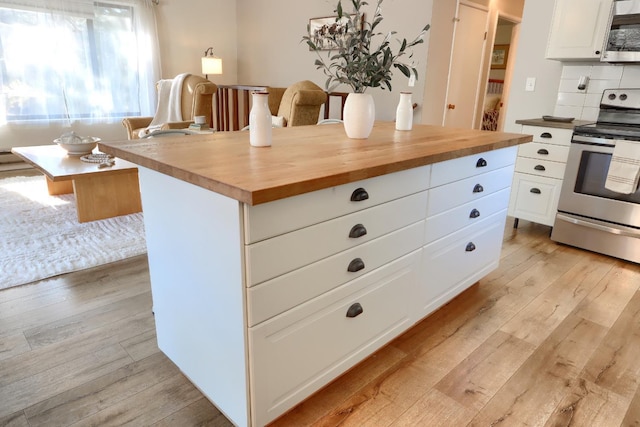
column 298, row 352
column 456, row 262
column 462, row 216
column 285, row 292
column 540, row 167
column 549, row 135
column 535, row 198
column 458, row 193
column 463, row 167
column 285, row 215
column 540, row 151
column 270, row 258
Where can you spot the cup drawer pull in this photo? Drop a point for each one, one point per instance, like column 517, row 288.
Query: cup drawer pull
column 355, row 265
column 359, row 194
column 470, row 247
column 545, row 135
column 355, row 310
column 535, row 191
column 357, row 230
column 474, row 213
column 539, row 168
column 481, row 163
column 478, row 188
column 543, row 151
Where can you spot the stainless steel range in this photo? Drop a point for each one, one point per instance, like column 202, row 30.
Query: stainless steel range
column 590, row 215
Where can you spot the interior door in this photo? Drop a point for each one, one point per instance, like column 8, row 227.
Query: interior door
column 466, row 65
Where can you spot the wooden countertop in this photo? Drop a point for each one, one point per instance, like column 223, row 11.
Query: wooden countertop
column 550, row 124
column 302, row 159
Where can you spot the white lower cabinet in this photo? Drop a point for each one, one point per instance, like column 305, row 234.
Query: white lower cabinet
column 260, row 314
column 535, row 198
column 303, row 349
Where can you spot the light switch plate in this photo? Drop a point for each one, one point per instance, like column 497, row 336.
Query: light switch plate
column 530, row 86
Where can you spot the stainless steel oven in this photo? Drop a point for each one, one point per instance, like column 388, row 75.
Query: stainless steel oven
column 591, row 216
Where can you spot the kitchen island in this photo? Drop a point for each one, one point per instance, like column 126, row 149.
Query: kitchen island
column 276, row 269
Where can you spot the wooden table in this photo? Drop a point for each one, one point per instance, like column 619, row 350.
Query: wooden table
column 100, row 192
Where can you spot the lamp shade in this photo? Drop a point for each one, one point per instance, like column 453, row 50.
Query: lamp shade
column 211, row 65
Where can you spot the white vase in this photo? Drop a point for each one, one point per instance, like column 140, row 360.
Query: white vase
column 358, row 115
column 260, row 120
column 404, row 112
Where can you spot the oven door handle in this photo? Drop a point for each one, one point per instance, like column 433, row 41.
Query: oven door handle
column 598, row 226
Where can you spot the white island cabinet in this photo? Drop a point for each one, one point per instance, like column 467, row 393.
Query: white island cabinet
column 262, row 304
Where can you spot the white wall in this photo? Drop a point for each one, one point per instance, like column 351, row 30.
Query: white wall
column 270, row 51
column 531, row 62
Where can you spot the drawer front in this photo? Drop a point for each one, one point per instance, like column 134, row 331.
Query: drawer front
column 549, row 135
column 279, row 255
column 287, row 291
column 281, row 216
column 456, row 262
column 448, row 196
column 535, row 198
column 540, row 167
column 447, row 222
column 295, row 354
column 540, row 151
column 464, row 167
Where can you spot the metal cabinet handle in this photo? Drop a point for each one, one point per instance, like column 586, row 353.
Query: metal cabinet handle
column 475, row 213
column 535, row 191
column 359, row 194
column 539, row 168
column 355, row 310
column 543, row 151
column 470, row 247
column 355, row 265
column 478, row 188
column 357, row 230
column 481, row 163
column 545, row 135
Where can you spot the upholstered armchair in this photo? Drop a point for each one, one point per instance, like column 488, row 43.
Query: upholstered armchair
column 197, row 98
column 299, row 104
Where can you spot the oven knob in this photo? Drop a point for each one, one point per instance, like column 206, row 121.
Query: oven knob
column 612, row 96
column 623, row 97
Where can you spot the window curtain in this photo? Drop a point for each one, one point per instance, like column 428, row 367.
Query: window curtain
column 70, row 61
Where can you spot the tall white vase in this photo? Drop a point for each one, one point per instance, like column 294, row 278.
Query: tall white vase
column 358, row 115
column 260, row 120
column 404, row 112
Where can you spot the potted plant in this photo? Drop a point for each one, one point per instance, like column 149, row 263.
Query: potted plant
column 355, row 60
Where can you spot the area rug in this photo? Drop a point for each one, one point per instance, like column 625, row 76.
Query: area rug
column 40, row 236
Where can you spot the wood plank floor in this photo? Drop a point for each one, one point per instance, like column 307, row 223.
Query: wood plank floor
column 551, row 338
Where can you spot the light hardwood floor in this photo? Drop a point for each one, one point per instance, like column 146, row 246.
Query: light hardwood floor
column 551, row 338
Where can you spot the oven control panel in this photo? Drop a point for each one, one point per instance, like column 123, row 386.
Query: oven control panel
column 621, row 98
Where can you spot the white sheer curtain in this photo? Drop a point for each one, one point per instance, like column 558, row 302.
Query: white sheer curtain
column 77, row 61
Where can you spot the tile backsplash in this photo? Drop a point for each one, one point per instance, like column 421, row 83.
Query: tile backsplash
column 584, row 104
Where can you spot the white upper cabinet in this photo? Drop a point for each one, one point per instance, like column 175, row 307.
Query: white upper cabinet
column 578, row 29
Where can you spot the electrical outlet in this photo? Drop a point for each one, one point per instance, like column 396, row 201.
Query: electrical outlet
column 412, row 80
column 530, row 85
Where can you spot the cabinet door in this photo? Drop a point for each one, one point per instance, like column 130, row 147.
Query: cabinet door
column 578, row 29
column 534, row 198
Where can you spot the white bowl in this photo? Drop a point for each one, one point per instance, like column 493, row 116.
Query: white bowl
column 78, row 147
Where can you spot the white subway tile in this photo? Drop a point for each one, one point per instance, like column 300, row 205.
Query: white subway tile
column 598, row 86
column 567, row 111
column 606, row 72
column 630, row 76
column 589, row 114
column 574, row 71
column 592, row 100
column 569, row 86
column 571, row 99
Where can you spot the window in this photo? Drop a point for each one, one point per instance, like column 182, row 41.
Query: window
column 76, row 60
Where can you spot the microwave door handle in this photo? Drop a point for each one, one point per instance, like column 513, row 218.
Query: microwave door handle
column 600, row 227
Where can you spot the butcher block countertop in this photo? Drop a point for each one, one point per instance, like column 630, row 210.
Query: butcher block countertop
column 301, row 159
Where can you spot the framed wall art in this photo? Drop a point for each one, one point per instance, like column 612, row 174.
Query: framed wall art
column 322, row 30
column 499, row 56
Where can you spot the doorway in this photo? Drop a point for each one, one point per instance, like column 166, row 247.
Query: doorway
column 466, row 65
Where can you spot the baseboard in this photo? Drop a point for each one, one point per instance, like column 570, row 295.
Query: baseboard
column 14, row 166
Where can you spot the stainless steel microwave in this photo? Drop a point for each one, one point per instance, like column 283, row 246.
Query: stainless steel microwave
column 622, row 41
